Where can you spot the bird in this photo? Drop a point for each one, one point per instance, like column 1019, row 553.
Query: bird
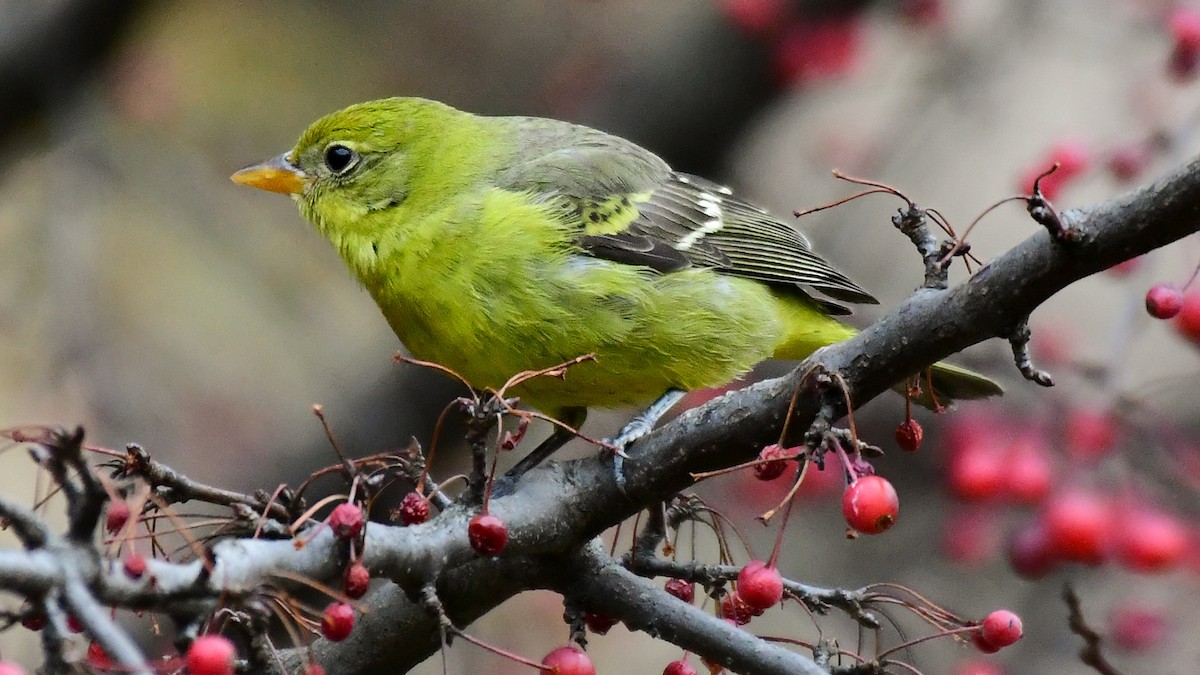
column 500, row 244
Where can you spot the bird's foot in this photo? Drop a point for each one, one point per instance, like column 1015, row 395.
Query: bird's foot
column 639, row 426
column 617, row 446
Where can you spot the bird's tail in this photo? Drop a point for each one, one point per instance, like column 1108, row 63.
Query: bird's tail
column 952, row 383
column 807, row 329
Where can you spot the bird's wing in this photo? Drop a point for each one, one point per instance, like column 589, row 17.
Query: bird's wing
column 630, row 207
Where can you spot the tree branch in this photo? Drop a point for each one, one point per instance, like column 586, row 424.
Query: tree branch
column 599, row 583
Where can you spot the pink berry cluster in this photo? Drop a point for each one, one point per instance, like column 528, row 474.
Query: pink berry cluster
column 1183, row 27
column 870, row 504
column 1073, row 158
column 1061, row 515
column 1126, row 161
column 803, row 50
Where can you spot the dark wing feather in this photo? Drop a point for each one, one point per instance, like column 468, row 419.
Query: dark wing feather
column 709, row 227
column 633, row 249
column 632, row 208
column 762, row 247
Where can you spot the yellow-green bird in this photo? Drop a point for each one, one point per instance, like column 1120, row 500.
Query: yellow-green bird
column 495, row 245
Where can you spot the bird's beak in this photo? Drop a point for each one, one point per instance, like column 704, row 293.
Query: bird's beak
column 277, row 174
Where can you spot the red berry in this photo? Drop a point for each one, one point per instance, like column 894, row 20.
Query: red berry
column 32, row 617
column 414, row 510
column 1183, row 23
column 73, row 624
column 1078, row 526
column 1125, row 267
column 488, row 534
column 977, row 471
column 1073, row 158
column 737, row 610
column 7, row 668
column 134, row 565
column 924, row 12
column 1030, row 553
column 684, row 590
column 909, row 435
column 314, row 669
column 1001, row 628
column 98, row 658
column 211, row 655
column 870, row 505
column 356, row 581
column 968, row 429
column 1128, row 161
column 337, row 622
column 1091, row 432
column 1136, row 628
column 680, row 667
column 1050, row 184
column 568, row 660
column 820, row 483
column 759, row 585
column 1183, row 63
column 1148, row 540
column 116, row 517
column 346, row 520
column 971, row 536
column 1053, row 345
column 811, row 52
column 1163, row 301
column 1030, row 472
column 756, row 18
column 1188, row 321
column 598, row 623
column 982, row 644
column 774, row 462
column 977, row 667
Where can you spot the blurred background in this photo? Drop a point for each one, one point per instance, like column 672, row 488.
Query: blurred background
column 146, row 297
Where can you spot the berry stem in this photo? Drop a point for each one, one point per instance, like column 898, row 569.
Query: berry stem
column 837, row 377
column 925, row 638
column 496, row 650
column 487, row 490
column 779, row 537
column 851, row 473
column 433, row 443
column 1191, row 279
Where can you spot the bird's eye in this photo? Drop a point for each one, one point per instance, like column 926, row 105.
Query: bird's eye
column 339, row 158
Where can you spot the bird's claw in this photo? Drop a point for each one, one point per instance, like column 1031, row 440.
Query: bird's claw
column 617, row 449
column 638, row 427
column 619, row 458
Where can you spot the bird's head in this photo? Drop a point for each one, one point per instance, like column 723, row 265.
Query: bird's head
column 356, row 161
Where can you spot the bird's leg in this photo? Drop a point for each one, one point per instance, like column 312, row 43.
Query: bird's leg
column 640, row 426
column 574, row 417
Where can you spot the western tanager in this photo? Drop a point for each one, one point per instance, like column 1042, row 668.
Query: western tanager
column 495, row 245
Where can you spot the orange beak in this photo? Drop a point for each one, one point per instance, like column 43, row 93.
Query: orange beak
column 274, row 175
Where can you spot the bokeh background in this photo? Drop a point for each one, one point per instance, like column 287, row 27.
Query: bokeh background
column 146, row 297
